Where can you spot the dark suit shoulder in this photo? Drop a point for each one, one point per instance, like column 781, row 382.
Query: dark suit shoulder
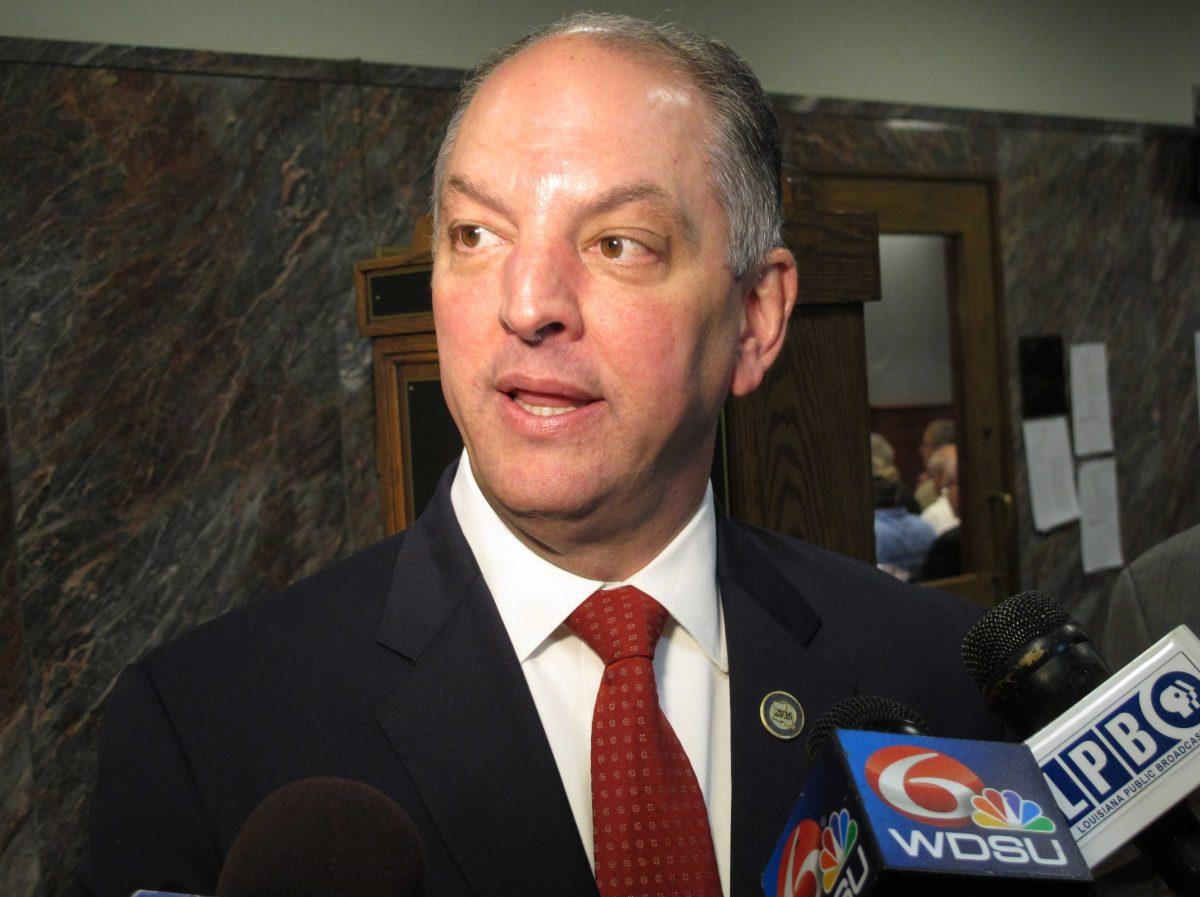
column 204, row 727
column 303, row 657
column 896, row 639
column 282, row 689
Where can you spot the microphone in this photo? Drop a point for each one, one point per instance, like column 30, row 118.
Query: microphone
column 869, row 712
column 1118, row 751
column 325, row 837
column 895, row 810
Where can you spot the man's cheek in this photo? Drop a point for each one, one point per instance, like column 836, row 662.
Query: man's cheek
column 461, row 332
column 656, row 357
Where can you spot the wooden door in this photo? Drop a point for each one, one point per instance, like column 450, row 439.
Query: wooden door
column 963, row 212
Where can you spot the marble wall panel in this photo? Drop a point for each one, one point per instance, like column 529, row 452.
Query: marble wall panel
column 219, row 64
column 1174, row 165
column 1076, row 218
column 341, row 106
column 171, row 370
column 20, row 864
column 401, row 134
column 20, row 870
column 899, row 144
column 392, row 146
column 162, row 60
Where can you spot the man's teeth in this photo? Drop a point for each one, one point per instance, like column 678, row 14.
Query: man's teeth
column 546, row 410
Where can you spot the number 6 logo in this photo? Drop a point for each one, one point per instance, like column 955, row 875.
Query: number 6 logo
column 923, row 785
column 798, row 867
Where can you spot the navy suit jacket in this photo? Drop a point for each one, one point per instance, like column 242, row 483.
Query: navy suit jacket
column 393, row 668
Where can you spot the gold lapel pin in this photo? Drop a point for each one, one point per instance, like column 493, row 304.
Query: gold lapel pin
column 781, row 715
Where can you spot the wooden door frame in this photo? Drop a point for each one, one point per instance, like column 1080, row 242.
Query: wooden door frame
column 397, row 359
column 962, row 209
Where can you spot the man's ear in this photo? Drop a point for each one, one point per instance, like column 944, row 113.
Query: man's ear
column 766, row 306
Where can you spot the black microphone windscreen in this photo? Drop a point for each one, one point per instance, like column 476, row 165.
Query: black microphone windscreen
column 325, row 837
column 868, row 712
column 1006, row 630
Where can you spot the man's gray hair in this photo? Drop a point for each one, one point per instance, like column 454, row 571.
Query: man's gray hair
column 743, row 146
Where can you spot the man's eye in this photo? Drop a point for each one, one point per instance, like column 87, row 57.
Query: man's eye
column 622, row 248
column 472, row 236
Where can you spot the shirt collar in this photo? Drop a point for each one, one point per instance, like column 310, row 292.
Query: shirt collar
column 534, row 596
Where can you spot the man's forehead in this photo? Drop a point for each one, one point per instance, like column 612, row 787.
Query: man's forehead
column 577, row 67
column 572, row 106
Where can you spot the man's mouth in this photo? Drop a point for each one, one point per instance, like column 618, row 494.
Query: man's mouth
column 544, row 404
column 545, row 397
column 545, row 410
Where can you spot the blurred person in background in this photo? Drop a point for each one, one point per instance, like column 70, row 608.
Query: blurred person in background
column 902, row 539
column 938, row 432
column 942, row 470
column 945, row 554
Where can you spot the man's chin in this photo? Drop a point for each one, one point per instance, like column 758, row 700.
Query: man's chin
column 546, row 505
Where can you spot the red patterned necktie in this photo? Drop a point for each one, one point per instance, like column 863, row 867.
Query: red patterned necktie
column 650, row 823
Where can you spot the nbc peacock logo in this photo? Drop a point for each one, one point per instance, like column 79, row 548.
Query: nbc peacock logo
column 817, row 859
column 837, row 841
column 1008, row 811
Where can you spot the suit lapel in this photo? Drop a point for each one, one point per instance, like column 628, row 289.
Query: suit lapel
column 773, row 637
column 465, row 725
column 467, row 730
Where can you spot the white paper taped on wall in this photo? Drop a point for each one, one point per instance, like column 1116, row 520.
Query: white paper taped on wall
column 1100, row 516
column 1051, row 472
column 1091, row 415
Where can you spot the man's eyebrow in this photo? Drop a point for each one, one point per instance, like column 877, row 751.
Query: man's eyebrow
column 644, row 191
column 640, row 191
column 456, row 183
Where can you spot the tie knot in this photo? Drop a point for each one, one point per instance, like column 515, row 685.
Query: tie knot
column 619, row 623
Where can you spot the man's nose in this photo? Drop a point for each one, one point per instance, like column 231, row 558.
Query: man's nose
column 540, row 293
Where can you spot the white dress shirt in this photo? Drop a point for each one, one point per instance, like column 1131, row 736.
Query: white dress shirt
column 535, row 597
column 940, row 515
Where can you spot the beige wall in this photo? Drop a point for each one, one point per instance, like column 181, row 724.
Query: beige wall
column 1114, row 59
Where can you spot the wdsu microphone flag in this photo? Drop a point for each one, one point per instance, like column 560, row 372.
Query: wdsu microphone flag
column 886, row 813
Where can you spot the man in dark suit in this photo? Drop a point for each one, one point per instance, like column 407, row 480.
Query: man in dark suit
column 608, row 269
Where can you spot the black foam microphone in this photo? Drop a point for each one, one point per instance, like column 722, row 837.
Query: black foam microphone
column 1032, row 661
column 325, row 837
column 868, row 712
column 1036, row 666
